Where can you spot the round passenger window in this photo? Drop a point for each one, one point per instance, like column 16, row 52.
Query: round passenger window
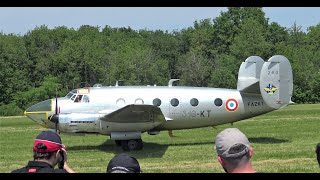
column 156, row 102
column 139, row 101
column 121, row 103
column 194, row 102
column 218, row 102
column 174, row 102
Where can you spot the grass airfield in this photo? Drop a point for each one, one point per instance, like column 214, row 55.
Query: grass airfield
column 283, row 141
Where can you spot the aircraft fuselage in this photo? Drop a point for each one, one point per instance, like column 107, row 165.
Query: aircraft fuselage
column 182, row 107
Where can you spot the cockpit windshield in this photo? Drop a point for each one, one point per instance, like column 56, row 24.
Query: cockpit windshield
column 73, row 97
column 71, row 93
column 77, row 98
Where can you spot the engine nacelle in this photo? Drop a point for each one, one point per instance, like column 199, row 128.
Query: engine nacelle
column 125, row 135
column 79, row 123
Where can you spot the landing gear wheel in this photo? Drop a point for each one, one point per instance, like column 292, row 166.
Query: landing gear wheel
column 132, row 144
column 140, row 144
column 124, row 145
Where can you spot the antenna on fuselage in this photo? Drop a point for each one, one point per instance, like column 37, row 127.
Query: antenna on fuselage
column 171, row 81
column 117, row 83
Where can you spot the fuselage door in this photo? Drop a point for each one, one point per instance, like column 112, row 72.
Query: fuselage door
column 174, row 107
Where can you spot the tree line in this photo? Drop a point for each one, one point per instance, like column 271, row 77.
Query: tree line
column 47, row 62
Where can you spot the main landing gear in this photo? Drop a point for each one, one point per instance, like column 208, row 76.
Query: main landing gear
column 129, row 145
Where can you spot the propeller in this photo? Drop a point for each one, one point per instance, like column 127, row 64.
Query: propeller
column 55, row 117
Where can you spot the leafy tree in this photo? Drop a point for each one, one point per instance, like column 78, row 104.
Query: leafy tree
column 14, row 67
column 49, row 88
column 42, row 45
column 137, row 64
column 195, row 69
column 10, row 109
column 225, row 73
column 250, row 41
column 228, row 25
column 82, row 59
column 202, row 37
column 276, row 35
column 166, row 46
column 313, row 38
column 297, row 37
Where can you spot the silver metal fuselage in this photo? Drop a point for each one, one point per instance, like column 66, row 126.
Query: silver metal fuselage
column 104, row 100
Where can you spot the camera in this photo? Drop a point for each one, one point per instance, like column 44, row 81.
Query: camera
column 61, row 162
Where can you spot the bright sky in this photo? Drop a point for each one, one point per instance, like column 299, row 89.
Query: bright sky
column 19, row 20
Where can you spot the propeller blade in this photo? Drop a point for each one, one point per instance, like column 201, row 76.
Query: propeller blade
column 56, row 111
column 56, row 116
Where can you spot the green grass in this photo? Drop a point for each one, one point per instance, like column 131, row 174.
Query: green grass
column 283, row 141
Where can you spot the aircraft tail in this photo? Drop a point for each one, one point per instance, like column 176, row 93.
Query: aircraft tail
column 249, row 75
column 272, row 79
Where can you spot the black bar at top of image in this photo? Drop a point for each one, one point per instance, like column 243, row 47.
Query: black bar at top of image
column 161, row 3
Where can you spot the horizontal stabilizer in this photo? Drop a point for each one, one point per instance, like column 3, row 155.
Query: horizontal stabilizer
column 276, row 82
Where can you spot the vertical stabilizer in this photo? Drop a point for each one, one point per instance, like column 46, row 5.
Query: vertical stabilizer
column 249, row 75
column 276, row 82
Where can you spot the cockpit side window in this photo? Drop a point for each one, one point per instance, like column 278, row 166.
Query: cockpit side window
column 85, row 98
column 78, row 98
column 69, row 95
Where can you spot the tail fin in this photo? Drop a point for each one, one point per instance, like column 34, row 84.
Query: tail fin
column 249, row 75
column 276, row 82
column 272, row 79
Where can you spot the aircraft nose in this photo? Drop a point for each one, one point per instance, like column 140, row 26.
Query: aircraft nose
column 41, row 106
column 39, row 112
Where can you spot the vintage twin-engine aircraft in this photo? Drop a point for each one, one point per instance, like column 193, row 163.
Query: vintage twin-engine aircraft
column 125, row 112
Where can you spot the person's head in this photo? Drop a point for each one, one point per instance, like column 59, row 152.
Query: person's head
column 47, row 147
column 318, row 153
column 233, row 149
column 123, row 163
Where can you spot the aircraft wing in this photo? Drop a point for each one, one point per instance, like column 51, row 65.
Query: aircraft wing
column 134, row 113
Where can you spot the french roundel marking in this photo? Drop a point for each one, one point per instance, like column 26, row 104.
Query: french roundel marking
column 232, row 105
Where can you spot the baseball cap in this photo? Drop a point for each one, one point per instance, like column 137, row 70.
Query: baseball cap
column 47, row 141
column 123, row 163
column 231, row 142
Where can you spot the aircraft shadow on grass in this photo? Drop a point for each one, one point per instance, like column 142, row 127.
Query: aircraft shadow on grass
column 153, row 150
column 267, row 140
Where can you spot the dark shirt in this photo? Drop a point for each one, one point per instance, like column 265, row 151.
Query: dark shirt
column 38, row 167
